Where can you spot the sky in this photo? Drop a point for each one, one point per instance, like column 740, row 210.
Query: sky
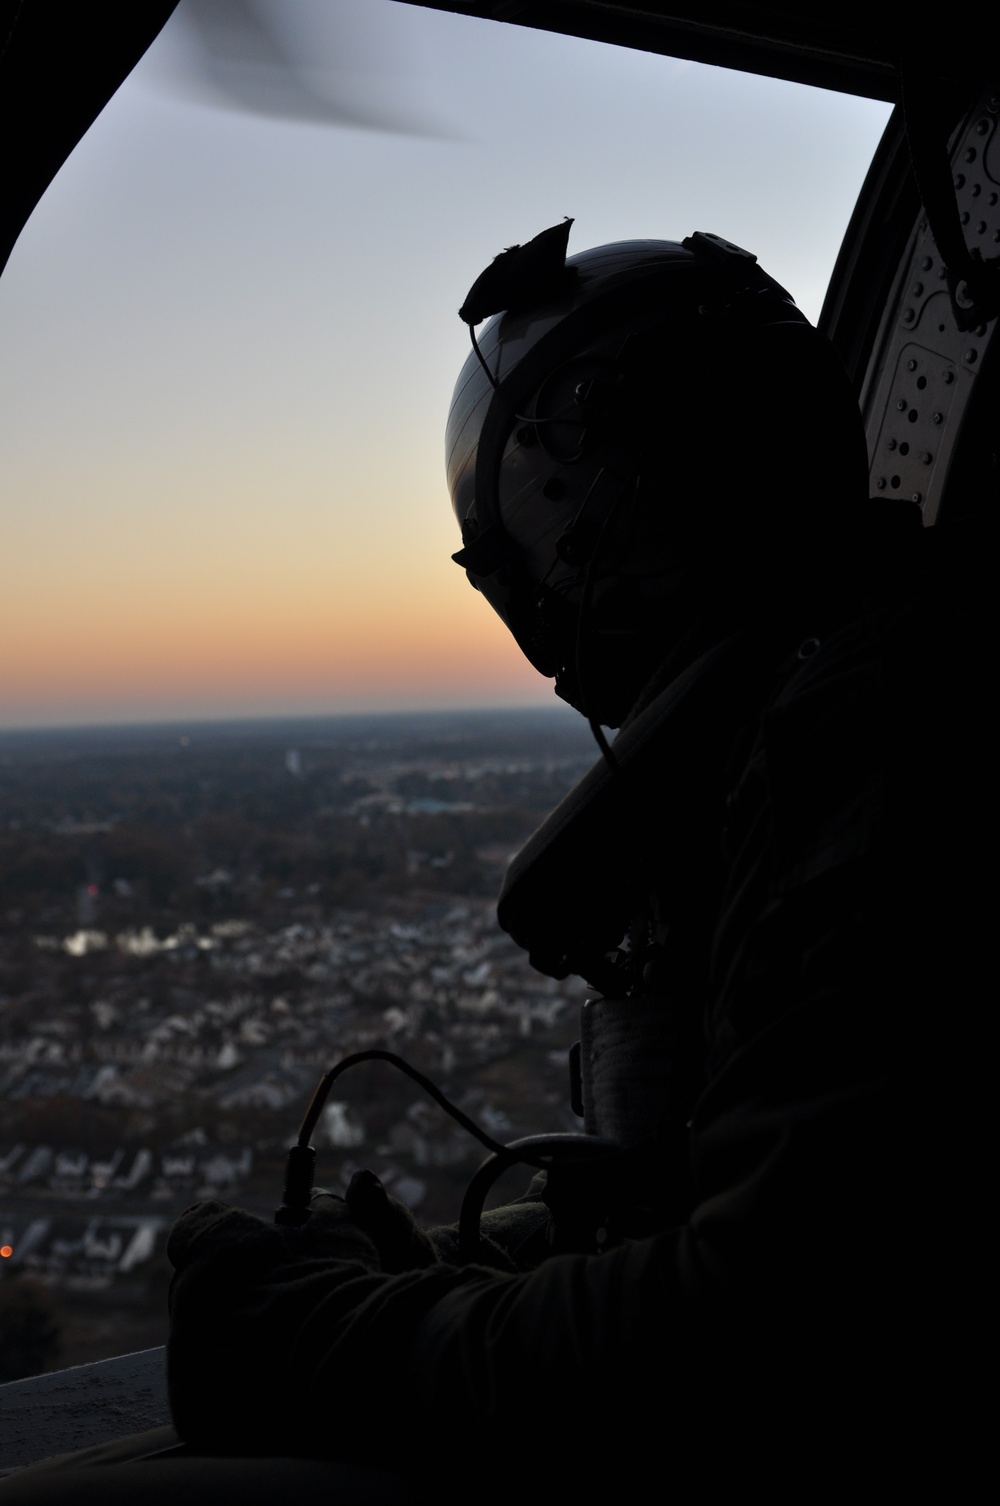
column 228, row 342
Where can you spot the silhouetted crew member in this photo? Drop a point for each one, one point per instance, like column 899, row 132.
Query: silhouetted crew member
column 768, row 879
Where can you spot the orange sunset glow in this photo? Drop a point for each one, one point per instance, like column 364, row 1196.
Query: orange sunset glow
column 297, row 650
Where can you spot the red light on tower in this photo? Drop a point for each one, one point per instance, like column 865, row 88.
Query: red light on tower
column 6, row 1251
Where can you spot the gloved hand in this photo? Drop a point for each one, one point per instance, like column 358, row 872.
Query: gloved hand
column 211, row 1228
column 243, row 1300
column 366, row 1225
column 401, row 1244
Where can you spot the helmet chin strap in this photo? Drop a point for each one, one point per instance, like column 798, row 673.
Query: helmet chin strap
column 585, row 542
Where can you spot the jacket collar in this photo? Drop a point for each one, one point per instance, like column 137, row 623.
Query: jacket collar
column 570, row 892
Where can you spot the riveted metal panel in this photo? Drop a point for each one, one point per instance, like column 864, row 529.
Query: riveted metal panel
column 921, row 380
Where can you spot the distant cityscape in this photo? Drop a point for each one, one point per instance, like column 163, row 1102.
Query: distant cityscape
column 196, row 922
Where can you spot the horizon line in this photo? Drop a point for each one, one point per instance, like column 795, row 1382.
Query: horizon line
column 171, row 724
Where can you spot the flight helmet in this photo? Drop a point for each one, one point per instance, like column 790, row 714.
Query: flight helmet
column 596, row 435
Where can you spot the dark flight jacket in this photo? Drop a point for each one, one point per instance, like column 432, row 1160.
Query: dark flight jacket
column 799, row 821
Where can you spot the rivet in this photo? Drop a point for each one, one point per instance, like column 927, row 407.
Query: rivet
column 937, row 418
column 959, row 180
column 981, row 227
column 971, row 356
column 982, row 126
column 880, row 483
column 964, row 216
column 891, row 445
column 926, row 457
column 992, row 198
column 949, row 377
column 977, row 189
column 909, row 315
column 916, row 496
column 808, row 648
column 969, row 155
column 911, row 364
column 926, row 262
column 901, row 405
column 917, row 290
column 525, row 435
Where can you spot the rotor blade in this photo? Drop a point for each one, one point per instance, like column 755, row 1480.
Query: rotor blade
column 334, row 64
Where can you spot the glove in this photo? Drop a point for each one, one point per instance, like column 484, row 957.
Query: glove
column 213, row 1228
column 401, row 1244
column 242, row 1295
